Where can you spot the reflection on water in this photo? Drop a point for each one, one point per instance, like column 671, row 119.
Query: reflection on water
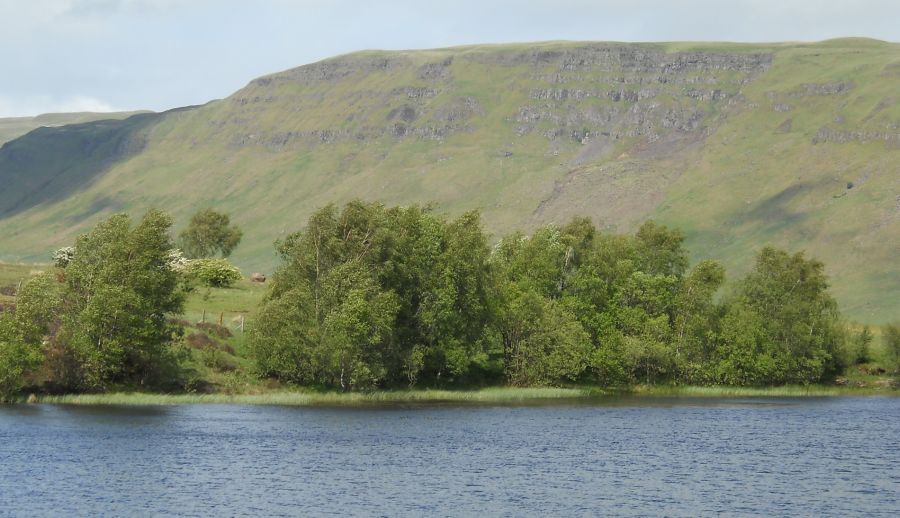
column 622, row 456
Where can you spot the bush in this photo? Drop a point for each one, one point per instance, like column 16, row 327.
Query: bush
column 176, row 260
column 217, row 273
column 16, row 359
column 892, row 344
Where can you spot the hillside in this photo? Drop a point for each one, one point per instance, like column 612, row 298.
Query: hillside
column 14, row 127
column 740, row 145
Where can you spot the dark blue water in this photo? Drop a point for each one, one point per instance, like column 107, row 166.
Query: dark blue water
column 675, row 457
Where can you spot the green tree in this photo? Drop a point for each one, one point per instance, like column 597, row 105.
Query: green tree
column 543, row 343
column 346, row 344
column 862, row 346
column 24, row 331
column 660, row 250
column 434, row 270
column 695, row 319
column 542, row 340
column 342, row 337
column 781, row 325
column 38, row 308
column 594, row 293
column 357, row 328
column 209, row 233
column 453, row 301
column 17, row 358
column 891, row 340
column 118, row 297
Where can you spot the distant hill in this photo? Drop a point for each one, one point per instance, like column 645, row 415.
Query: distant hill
column 14, row 127
column 740, row 145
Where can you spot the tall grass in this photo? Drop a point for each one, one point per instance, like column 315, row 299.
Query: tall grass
column 498, row 395
column 490, row 395
column 780, row 391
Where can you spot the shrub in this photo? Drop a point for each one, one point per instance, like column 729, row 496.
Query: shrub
column 16, row 359
column 218, row 273
column 892, row 344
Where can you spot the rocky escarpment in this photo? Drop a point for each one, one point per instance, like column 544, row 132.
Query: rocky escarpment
column 589, row 92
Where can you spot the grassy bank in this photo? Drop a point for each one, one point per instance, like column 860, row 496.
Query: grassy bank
column 781, row 391
column 489, row 395
column 500, row 395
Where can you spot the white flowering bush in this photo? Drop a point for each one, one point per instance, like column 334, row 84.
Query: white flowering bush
column 217, row 273
column 177, row 261
column 63, row 256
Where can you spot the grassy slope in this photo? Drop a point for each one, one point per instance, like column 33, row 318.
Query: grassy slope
column 14, row 127
column 737, row 181
column 11, row 278
column 754, row 185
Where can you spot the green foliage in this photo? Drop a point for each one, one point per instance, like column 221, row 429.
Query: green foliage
column 342, row 339
column 861, row 347
column 781, row 325
column 417, row 309
column 217, row 273
column 543, row 343
column 37, row 308
column 17, row 358
column 892, row 344
column 210, row 233
column 117, row 298
column 22, row 334
column 695, row 319
column 542, row 340
column 372, row 297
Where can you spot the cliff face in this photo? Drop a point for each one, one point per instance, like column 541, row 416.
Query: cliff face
column 584, row 93
column 741, row 145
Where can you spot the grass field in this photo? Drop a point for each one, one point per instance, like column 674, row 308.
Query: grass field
column 11, row 277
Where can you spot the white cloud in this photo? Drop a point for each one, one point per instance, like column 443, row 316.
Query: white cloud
column 38, row 104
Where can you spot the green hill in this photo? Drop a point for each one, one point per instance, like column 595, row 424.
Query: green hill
column 740, row 145
column 14, row 127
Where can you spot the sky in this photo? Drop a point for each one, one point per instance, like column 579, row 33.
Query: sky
column 108, row 55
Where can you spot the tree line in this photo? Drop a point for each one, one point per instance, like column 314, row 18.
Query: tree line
column 372, row 296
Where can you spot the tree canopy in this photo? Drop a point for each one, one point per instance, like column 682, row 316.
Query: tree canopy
column 209, row 233
column 107, row 317
column 413, row 297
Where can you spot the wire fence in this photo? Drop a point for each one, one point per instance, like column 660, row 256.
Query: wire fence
column 234, row 321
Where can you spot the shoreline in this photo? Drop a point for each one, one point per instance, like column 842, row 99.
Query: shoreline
column 498, row 396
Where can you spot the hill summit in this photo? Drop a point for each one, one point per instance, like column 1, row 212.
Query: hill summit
column 739, row 145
